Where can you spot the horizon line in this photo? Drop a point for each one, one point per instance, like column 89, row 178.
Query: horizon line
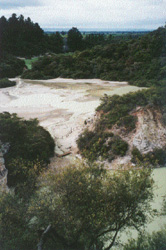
column 99, row 30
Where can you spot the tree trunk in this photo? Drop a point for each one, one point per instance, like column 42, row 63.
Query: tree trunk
column 40, row 244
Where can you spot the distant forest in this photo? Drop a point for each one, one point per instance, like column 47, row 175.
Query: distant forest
column 139, row 58
column 22, row 37
column 140, row 61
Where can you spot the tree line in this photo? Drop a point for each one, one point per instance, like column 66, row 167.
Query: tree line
column 141, row 61
column 22, row 37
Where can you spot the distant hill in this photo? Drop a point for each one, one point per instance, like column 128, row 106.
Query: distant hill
column 93, row 30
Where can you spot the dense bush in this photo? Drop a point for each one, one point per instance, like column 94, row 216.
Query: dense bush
column 116, row 108
column 93, row 145
column 128, row 122
column 136, row 155
column 141, row 61
column 10, row 66
column 4, row 83
column 28, row 142
column 155, row 157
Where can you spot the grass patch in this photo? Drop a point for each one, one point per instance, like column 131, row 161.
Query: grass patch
column 29, row 62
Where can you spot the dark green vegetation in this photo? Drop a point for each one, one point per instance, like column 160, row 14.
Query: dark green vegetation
column 116, row 111
column 10, row 66
column 106, row 145
column 4, row 83
column 22, row 37
column 141, row 61
column 155, row 241
column 135, row 58
column 156, row 158
column 78, row 207
column 74, row 39
column 30, row 147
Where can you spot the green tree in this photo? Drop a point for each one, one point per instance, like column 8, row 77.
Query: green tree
column 74, row 39
column 21, row 37
column 15, row 233
column 29, row 144
column 55, row 43
column 83, row 207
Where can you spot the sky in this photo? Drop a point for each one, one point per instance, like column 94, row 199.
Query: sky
column 90, row 14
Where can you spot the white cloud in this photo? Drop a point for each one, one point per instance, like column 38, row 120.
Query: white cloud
column 8, row 4
column 105, row 14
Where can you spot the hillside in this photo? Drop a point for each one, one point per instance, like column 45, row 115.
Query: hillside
column 140, row 61
column 132, row 126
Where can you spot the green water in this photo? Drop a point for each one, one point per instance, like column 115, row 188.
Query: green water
column 159, row 176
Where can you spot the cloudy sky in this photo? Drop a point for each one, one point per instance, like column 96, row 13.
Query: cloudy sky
column 90, row 14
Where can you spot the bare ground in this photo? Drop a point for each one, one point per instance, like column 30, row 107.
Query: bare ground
column 61, row 105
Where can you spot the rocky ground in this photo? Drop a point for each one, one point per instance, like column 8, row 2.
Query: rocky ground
column 149, row 134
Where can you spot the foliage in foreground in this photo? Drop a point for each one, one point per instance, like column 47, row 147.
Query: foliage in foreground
column 77, row 207
column 28, row 144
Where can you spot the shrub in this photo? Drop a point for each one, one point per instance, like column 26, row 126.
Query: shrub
column 128, row 122
column 95, row 144
column 28, row 142
column 5, row 83
column 136, row 155
column 155, row 157
column 10, row 66
column 118, row 146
